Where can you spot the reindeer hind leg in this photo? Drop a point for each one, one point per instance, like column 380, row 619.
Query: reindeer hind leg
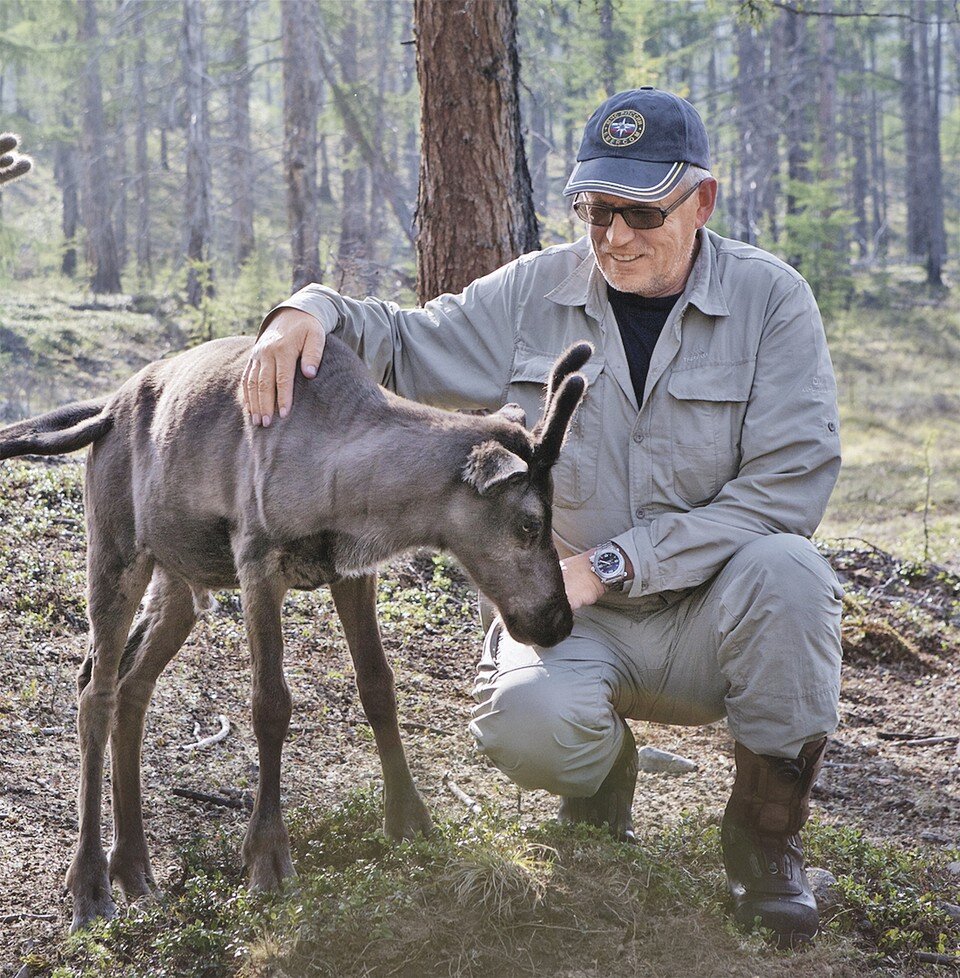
column 161, row 630
column 115, row 587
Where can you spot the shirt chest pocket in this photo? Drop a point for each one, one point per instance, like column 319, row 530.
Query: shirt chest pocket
column 707, row 405
column 575, row 474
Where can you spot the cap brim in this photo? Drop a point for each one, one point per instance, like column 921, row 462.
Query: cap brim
column 636, row 179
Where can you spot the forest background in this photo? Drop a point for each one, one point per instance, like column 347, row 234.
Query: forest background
column 193, row 162
column 197, row 159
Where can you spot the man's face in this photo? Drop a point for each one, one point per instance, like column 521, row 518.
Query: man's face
column 655, row 262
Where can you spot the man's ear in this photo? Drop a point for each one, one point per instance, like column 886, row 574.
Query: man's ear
column 513, row 412
column 490, row 465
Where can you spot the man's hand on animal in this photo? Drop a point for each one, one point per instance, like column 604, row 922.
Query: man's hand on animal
column 270, row 372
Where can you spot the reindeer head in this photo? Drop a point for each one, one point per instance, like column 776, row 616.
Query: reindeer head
column 508, row 548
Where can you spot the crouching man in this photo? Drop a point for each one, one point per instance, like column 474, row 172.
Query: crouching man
column 699, row 465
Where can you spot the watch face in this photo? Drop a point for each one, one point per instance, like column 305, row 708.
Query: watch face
column 609, row 563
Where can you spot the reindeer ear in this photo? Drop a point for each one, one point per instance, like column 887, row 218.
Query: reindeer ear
column 513, row 412
column 490, row 465
column 555, row 424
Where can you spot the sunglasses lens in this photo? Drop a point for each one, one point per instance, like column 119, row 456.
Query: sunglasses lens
column 642, row 218
column 595, row 214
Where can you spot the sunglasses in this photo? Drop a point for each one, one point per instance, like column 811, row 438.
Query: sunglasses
column 638, row 218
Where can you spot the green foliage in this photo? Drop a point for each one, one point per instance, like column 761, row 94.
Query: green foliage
column 814, row 238
column 425, row 604
column 889, row 895
column 235, row 305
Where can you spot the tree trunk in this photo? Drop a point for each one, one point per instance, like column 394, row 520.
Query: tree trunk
column 878, row 168
column 65, row 172
column 95, row 176
column 200, row 275
column 142, row 182
column 352, row 256
column 240, row 151
column 857, row 128
column 910, row 105
column 827, row 119
column 797, row 112
column 608, row 56
column 301, row 87
column 539, row 153
column 120, row 144
column 748, row 130
column 932, row 175
column 475, row 207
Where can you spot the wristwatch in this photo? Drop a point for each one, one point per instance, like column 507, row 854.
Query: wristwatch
column 610, row 564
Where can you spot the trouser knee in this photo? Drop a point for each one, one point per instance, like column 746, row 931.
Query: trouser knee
column 546, row 727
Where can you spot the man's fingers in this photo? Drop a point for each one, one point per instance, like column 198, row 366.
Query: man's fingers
column 285, row 376
column 312, row 351
column 251, row 391
column 244, row 380
column 267, row 389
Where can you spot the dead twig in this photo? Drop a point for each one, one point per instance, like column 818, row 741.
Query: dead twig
column 11, row 917
column 459, row 793
column 911, row 740
column 222, row 800
column 213, row 738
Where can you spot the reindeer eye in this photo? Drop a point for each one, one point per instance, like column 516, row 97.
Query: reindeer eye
column 530, row 526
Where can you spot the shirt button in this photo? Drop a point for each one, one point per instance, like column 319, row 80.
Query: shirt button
column 638, row 437
column 643, row 585
column 641, row 513
column 831, row 426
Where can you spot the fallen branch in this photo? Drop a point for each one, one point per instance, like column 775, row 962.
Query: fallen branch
column 11, row 917
column 222, row 800
column 213, row 738
column 459, row 793
column 928, row 957
column 911, row 740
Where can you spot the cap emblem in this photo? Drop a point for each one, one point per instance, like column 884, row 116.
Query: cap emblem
column 622, row 128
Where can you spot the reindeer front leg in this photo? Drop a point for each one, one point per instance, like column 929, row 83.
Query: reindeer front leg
column 266, row 847
column 356, row 600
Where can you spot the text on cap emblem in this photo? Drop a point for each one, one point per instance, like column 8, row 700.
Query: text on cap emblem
column 622, row 128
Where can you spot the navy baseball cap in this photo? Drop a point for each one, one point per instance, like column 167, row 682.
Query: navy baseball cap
column 638, row 144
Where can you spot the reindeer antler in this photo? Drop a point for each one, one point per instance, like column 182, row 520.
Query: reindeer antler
column 13, row 165
column 564, row 392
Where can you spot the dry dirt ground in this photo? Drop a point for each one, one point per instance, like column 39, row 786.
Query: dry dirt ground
column 901, row 686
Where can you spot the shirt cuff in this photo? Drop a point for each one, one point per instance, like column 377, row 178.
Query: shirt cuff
column 319, row 306
column 638, row 546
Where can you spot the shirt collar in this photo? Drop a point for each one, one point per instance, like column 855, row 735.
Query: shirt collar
column 586, row 287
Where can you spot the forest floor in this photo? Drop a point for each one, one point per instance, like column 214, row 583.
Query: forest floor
column 496, row 893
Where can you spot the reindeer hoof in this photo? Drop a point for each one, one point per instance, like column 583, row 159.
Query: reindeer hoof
column 87, row 909
column 407, row 820
column 270, row 871
column 133, row 875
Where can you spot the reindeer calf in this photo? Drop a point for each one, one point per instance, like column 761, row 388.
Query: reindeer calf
column 183, row 495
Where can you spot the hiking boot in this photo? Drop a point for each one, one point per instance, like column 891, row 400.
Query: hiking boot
column 762, row 852
column 611, row 806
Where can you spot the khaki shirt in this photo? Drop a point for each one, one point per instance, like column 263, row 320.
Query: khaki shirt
column 737, row 435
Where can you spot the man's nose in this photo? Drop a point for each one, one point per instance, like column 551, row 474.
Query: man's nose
column 618, row 233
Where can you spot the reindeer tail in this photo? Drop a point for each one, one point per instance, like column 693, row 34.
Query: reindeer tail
column 64, row 430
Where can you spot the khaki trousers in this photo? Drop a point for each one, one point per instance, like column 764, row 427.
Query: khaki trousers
column 759, row 643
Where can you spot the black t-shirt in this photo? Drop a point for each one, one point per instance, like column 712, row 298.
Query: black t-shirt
column 640, row 320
